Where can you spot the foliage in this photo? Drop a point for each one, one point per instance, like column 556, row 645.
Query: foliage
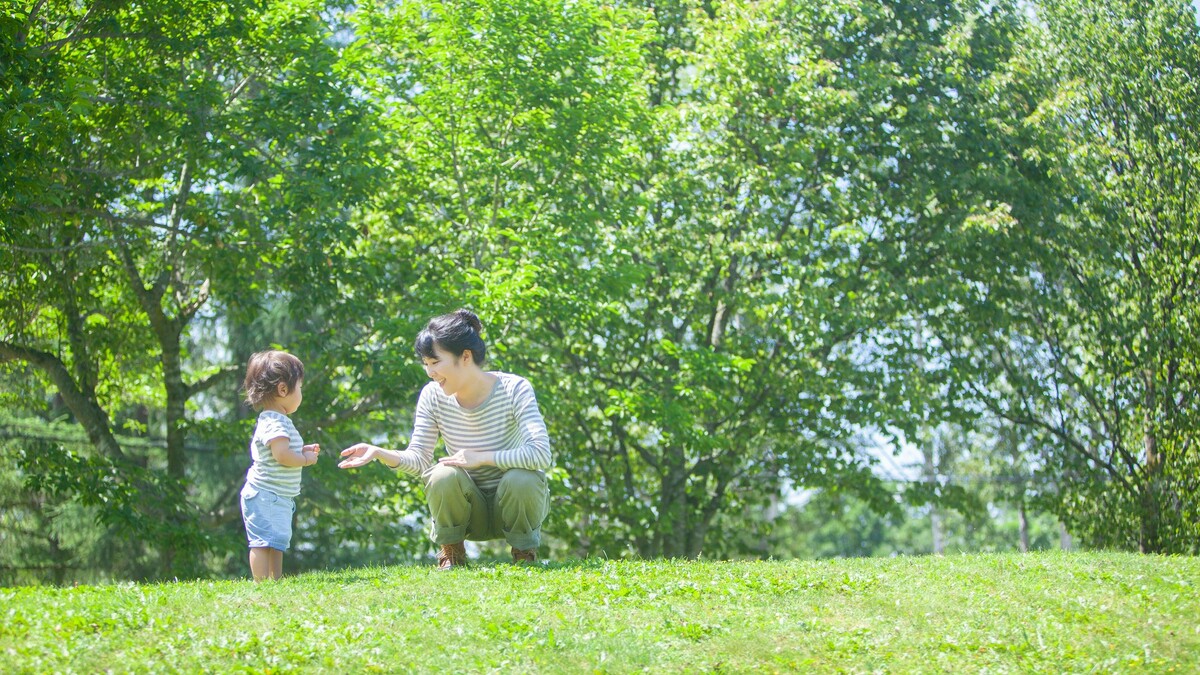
column 64, row 526
column 184, row 153
column 748, row 307
column 830, row 524
column 733, row 245
column 509, row 118
column 1090, row 342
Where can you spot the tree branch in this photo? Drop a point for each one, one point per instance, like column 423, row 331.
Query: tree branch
column 81, row 403
column 362, row 407
column 57, row 44
column 209, row 382
column 23, row 34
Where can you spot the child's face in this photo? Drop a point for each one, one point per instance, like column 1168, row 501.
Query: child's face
column 289, row 400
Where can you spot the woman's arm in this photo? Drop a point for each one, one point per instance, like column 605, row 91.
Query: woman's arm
column 534, row 451
column 363, row 454
column 417, row 457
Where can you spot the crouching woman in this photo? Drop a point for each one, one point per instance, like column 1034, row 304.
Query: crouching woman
column 492, row 483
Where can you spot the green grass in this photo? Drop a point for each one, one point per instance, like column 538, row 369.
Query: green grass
column 1050, row 612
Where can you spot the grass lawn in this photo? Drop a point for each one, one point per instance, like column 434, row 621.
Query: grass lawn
column 1045, row 612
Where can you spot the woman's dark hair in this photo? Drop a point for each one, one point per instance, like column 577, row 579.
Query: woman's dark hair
column 266, row 370
column 455, row 332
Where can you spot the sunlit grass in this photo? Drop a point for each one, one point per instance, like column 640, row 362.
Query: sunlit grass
column 1049, row 612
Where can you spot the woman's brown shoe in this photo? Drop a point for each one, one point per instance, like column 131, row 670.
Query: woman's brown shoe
column 520, row 556
column 451, row 556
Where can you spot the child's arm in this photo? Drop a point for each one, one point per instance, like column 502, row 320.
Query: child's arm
column 281, row 450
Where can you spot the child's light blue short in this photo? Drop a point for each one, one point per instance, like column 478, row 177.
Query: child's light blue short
column 268, row 518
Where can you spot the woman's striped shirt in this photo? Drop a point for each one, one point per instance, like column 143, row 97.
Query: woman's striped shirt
column 508, row 423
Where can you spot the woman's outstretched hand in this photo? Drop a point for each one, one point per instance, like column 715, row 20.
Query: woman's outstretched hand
column 358, row 455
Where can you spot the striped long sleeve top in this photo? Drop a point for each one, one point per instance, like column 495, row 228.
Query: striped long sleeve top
column 508, row 423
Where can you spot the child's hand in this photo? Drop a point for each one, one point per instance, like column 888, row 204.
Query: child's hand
column 310, row 456
column 315, row 448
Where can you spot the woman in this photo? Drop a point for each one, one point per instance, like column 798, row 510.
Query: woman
column 492, row 483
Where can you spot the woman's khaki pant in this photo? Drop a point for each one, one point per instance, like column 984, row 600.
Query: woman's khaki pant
column 460, row 510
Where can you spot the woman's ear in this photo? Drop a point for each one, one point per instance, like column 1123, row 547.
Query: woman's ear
column 466, row 355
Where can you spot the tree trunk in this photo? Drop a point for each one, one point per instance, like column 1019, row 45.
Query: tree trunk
column 1024, row 526
column 770, row 514
column 58, row 561
column 177, row 396
column 695, row 540
column 1148, row 538
column 176, row 467
column 168, row 330
column 673, row 513
column 935, row 515
column 583, row 543
column 1148, row 535
column 935, row 525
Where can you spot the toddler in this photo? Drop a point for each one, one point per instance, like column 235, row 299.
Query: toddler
column 273, row 386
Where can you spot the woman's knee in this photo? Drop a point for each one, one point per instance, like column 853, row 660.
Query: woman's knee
column 444, row 477
column 521, row 481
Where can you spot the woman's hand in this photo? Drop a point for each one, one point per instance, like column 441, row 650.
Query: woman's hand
column 358, row 455
column 468, row 459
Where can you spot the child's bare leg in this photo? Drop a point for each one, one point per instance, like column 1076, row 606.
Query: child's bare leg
column 276, row 563
column 260, row 563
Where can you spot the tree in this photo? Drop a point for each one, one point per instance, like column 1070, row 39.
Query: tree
column 1094, row 345
column 504, row 118
column 749, row 306
column 186, row 152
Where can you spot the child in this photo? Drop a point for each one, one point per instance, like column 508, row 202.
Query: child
column 273, row 385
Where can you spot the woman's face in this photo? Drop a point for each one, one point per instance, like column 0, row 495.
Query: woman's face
column 447, row 370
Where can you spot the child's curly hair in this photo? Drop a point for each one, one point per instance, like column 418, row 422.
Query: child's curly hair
column 266, row 370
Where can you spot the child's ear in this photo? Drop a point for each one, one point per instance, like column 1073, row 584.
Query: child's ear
column 281, row 390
